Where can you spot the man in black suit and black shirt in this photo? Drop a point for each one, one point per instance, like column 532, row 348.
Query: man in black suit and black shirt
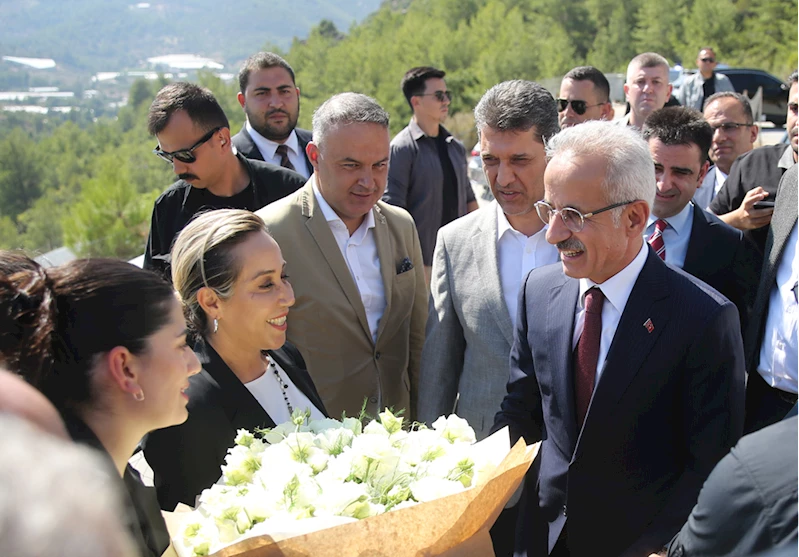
column 194, row 135
column 271, row 99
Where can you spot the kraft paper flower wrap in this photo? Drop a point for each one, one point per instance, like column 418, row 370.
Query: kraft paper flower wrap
column 451, row 525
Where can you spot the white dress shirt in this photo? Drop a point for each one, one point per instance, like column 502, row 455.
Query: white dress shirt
column 517, row 255
column 268, row 392
column 360, row 253
column 268, row 150
column 709, row 188
column 676, row 235
column 617, row 291
column 778, row 351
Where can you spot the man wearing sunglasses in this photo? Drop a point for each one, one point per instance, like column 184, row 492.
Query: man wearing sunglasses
column 747, row 199
column 734, row 133
column 629, row 372
column 194, row 137
column 705, row 82
column 584, row 95
column 682, row 233
column 428, row 175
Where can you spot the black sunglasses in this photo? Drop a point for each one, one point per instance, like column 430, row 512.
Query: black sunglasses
column 708, row 60
column 185, row 155
column 579, row 107
column 439, row 95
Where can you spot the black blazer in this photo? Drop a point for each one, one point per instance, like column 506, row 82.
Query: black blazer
column 724, row 258
column 247, row 147
column 748, row 504
column 142, row 515
column 667, row 407
column 187, row 458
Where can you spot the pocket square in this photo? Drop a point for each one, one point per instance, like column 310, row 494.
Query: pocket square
column 404, row 266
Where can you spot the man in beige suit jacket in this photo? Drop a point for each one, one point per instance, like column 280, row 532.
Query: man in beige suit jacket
column 355, row 264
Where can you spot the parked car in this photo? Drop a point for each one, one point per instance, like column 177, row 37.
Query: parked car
column 747, row 81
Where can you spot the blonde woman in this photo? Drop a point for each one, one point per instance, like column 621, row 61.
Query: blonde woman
column 230, row 276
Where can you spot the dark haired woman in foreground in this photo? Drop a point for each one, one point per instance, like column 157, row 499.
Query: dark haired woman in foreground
column 229, row 274
column 106, row 342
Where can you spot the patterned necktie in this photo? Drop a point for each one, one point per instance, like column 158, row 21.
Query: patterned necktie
column 656, row 239
column 283, row 151
column 586, row 353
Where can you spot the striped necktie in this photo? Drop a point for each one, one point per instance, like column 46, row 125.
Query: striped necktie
column 283, row 151
column 656, row 239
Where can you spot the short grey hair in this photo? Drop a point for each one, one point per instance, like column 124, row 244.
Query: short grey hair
column 647, row 60
column 630, row 174
column 518, row 105
column 59, row 498
column 344, row 109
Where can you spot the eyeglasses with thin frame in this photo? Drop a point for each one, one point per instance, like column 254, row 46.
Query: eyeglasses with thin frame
column 708, row 60
column 729, row 127
column 572, row 218
column 439, row 95
column 185, row 155
column 579, row 107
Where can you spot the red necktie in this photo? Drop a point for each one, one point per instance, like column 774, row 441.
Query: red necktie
column 656, row 239
column 283, row 151
column 586, row 354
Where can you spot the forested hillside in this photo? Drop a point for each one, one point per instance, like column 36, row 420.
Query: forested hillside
column 92, row 187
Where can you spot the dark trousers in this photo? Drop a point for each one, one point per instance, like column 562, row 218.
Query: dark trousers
column 765, row 405
column 503, row 532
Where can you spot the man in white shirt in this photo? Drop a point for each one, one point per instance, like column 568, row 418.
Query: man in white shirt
column 771, row 347
column 629, row 372
column 355, row 265
column 647, row 88
column 271, row 99
column 734, row 133
column 682, row 233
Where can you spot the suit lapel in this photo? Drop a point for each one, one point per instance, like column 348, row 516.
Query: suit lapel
column 320, row 231
column 385, row 253
column 784, row 219
column 240, row 406
column 698, row 244
column 633, row 340
column 486, row 261
column 556, row 353
column 298, row 376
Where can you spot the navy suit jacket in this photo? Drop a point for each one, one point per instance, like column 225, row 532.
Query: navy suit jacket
column 668, row 405
column 724, row 258
column 247, row 147
column 187, row 458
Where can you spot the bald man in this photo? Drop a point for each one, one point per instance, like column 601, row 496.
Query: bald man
column 20, row 399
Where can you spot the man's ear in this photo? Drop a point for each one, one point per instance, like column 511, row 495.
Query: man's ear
column 607, row 111
column 224, row 137
column 635, row 217
column 312, row 150
column 298, row 92
column 241, row 99
column 703, row 172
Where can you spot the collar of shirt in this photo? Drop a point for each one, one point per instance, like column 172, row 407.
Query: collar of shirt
column 786, row 160
column 417, row 132
column 331, row 216
column 679, row 222
column 269, row 147
column 617, row 288
column 503, row 227
column 721, row 177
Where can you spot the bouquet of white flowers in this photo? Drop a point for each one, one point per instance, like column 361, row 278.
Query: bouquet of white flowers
column 304, row 476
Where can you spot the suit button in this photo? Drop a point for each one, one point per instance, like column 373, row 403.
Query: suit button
column 564, row 510
column 373, row 399
column 377, row 355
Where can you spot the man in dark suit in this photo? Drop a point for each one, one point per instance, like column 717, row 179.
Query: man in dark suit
column 748, row 504
column 682, row 233
column 271, row 100
column 771, row 343
column 631, row 424
column 194, row 136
